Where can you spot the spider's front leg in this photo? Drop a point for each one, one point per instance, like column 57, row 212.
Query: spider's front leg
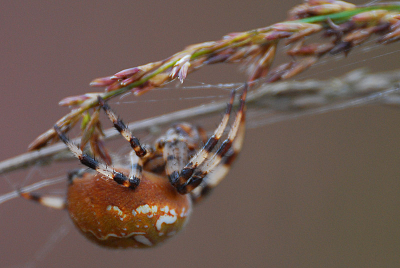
column 122, row 128
column 200, row 165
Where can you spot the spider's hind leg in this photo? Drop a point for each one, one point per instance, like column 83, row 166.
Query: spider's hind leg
column 50, row 201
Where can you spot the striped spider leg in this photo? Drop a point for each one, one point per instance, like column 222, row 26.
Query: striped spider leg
column 200, row 165
column 215, row 169
column 122, row 128
column 135, row 175
column 90, row 162
column 58, row 202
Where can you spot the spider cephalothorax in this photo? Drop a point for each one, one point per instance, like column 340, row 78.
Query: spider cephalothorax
column 151, row 200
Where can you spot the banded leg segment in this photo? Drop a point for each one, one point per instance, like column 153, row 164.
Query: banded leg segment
column 136, row 167
column 175, row 155
column 93, row 164
column 176, row 146
column 234, row 142
column 202, row 155
column 192, row 174
column 56, row 202
column 122, row 128
column 216, row 175
column 180, row 177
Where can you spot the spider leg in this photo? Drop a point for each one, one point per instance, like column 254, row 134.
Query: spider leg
column 217, row 174
column 232, row 144
column 50, row 201
column 178, row 178
column 136, row 167
column 93, row 164
column 176, row 146
column 122, row 128
column 175, row 154
column 213, row 140
column 194, row 172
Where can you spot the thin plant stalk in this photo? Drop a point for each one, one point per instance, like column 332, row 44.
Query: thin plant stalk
column 306, row 96
column 342, row 24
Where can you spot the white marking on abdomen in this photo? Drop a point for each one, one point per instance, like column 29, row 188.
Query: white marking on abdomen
column 168, row 219
column 144, row 240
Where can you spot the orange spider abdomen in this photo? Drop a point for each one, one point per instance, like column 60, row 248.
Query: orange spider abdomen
column 118, row 217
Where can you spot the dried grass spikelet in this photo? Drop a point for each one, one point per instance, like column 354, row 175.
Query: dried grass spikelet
column 342, row 25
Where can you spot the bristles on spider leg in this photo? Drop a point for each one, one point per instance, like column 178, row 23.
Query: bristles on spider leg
column 72, row 147
column 122, row 128
column 123, row 180
column 118, row 177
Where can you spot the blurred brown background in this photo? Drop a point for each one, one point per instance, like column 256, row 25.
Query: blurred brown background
column 318, row 191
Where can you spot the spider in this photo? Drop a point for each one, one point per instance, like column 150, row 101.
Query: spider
column 153, row 202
